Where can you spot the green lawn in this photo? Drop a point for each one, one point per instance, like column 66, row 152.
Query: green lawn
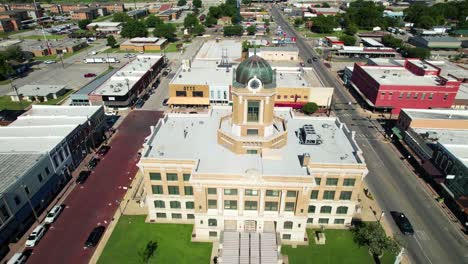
column 102, row 18
column 339, row 247
column 41, row 37
column 6, row 103
column 172, row 47
column 322, row 35
column 132, row 234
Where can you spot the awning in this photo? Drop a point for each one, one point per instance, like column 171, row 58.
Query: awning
column 295, row 105
column 397, row 132
column 188, row 101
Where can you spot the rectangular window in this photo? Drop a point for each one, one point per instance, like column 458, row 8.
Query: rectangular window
column 157, row 189
column 408, row 95
column 174, row 190
column 310, row 220
column 250, row 205
column 349, row 182
column 271, row 206
column 225, row 95
column 190, row 216
column 230, row 204
column 212, row 204
column 161, row 215
column 230, row 191
column 311, row 209
column 39, row 177
column 253, row 110
column 278, row 97
column 181, row 93
column 415, row 96
column 318, row 181
column 212, row 95
column 188, row 190
column 423, row 96
column 155, row 176
column 382, row 95
column 219, row 94
column 17, row 200
column 212, row 191
column 213, row 234
column 4, row 214
column 390, row 95
column 174, row 204
column 274, row 193
column 252, row 151
column 197, row 93
column 250, row 192
column 252, row 132
column 314, row 195
column 289, row 207
column 400, row 96
column 346, row 195
column 159, row 204
column 186, row 177
column 332, row 182
column 291, row 194
column 176, row 216
column 286, row 236
column 431, row 95
column 189, row 205
column 338, row 221
column 323, row 220
column 171, row 177
column 329, row 195
column 47, row 171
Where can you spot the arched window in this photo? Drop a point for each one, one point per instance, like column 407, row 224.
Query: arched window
column 288, row 225
column 159, row 204
column 175, row 204
column 342, row 210
column 326, row 209
column 212, row 222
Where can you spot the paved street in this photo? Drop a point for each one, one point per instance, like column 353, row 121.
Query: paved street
column 393, row 185
column 95, row 202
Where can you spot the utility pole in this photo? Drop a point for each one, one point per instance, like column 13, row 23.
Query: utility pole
column 30, row 204
column 61, row 60
column 15, row 89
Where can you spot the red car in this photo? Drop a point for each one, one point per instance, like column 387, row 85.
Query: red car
column 89, row 75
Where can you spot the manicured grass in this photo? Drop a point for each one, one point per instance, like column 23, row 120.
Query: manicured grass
column 6, row 103
column 132, row 234
column 172, row 47
column 339, row 248
column 41, row 37
column 44, row 58
column 102, row 18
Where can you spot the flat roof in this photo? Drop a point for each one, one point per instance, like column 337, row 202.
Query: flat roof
column 26, row 121
column 212, row 50
column 123, row 80
column 104, row 24
column 282, row 48
column 459, row 151
column 462, row 93
column 399, row 76
column 204, row 72
column 61, row 111
column 200, row 143
column 436, row 114
column 439, row 39
column 448, row 68
column 36, row 131
column 38, row 90
column 372, row 42
column 144, row 41
column 10, row 170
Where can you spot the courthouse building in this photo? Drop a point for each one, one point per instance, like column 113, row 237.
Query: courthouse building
column 252, row 168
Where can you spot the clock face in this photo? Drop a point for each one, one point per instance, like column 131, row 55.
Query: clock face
column 254, row 84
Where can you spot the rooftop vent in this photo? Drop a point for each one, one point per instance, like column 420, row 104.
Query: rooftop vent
column 308, row 136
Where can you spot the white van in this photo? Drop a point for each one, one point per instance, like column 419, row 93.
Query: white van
column 18, row 258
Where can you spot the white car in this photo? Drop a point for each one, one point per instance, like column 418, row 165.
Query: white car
column 49, row 62
column 53, row 214
column 35, row 236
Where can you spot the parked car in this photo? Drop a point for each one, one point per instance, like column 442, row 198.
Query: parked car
column 103, row 150
column 35, row 236
column 53, row 214
column 95, row 236
column 20, row 258
column 82, row 177
column 49, row 62
column 93, row 163
column 315, row 59
column 164, row 103
column 403, row 223
column 139, row 103
column 89, row 75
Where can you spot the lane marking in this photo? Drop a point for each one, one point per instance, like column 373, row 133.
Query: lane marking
column 422, row 250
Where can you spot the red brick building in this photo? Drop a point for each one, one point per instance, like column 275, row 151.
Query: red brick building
column 6, row 25
column 417, row 85
column 85, row 13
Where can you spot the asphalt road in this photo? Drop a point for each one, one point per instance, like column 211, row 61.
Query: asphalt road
column 96, row 201
column 394, row 186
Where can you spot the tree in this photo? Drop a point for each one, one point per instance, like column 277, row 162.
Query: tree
column 310, row 108
column 214, row 11
column 373, row 236
column 121, row 17
column 181, row 2
column 83, row 23
column 210, row 21
column 267, row 22
column 390, row 41
column 197, row 3
column 348, row 40
column 324, row 24
column 152, row 20
column 167, row 31
column 133, row 29
column 111, row 42
column 147, row 253
column 5, row 68
column 235, row 30
column 191, row 21
column 267, row 30
column 425, row 22
column 236, row 18
column 351, row 29
column 421, row 53
column 247, row 2
column 251, row 30
column 198, row 30
column 325, row 4
column 298, row 21
column 14, row 53
column 365, row 14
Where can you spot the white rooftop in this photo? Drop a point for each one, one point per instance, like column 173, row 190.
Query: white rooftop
column 25, row 121
column 124, row 79
column 38, row 90
column 212, row 50
column 399, row 76
column 436, row 114
column 61, row 111
column 200, row 144
column 203, row 72
column 372, row 42
column 104, row 24
column 462, row 93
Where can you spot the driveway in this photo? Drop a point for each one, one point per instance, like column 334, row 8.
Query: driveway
column 95, row 202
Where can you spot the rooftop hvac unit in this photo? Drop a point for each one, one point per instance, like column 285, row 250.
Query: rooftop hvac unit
column 308, row 136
